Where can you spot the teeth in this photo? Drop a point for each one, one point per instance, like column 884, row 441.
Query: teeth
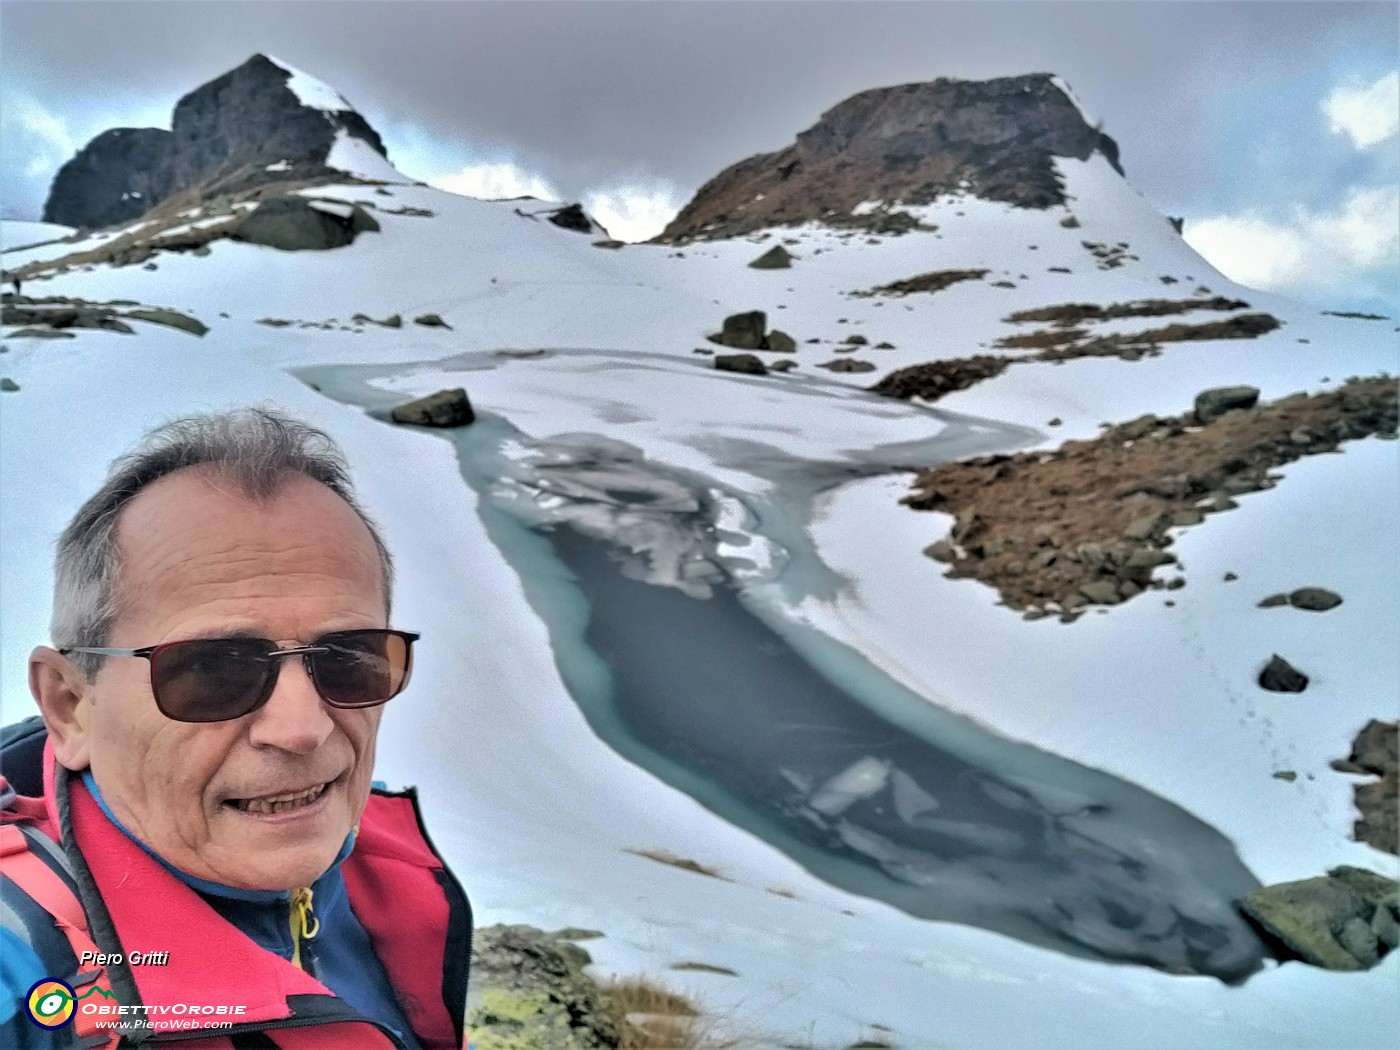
column 280, row 803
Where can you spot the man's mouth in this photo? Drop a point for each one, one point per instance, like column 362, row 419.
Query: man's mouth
column 288, row 800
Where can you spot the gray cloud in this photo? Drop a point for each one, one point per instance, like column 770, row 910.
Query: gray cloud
column 592, row 93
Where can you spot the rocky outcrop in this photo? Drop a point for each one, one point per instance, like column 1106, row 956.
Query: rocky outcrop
column 994, row 139
column 117, row 176
column 1088, row 523
column 239, row 131
column 1374, row 753
column 931, row 381
column 572, row 217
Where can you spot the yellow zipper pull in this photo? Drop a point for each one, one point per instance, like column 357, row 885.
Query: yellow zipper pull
column 305, row 925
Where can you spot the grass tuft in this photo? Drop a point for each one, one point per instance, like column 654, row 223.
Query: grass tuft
column 678, row 862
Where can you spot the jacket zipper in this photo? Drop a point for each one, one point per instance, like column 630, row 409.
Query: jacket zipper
column 304, row 926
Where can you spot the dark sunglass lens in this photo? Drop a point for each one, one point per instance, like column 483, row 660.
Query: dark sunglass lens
column 360, row 668
column 211, row 680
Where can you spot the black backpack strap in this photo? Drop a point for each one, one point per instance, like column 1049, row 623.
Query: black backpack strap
column 22, row 755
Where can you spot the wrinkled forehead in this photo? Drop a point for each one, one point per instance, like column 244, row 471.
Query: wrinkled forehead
column 198, row 532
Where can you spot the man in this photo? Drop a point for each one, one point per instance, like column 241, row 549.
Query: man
column 222, row 652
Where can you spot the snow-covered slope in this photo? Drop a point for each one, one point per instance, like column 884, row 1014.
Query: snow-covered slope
column 537, row 814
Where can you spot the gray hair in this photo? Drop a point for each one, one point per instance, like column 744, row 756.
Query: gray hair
column 257, row 449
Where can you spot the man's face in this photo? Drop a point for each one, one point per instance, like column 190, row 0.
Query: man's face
column 201, row 560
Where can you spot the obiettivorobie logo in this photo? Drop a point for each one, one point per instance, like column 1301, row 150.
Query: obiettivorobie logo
column 52, row 1003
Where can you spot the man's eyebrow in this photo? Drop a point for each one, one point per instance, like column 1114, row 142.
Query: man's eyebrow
column 225, row 632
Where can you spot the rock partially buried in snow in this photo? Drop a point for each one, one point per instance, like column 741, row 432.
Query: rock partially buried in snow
column 1212, row 404
column 8, row 385
column 572, row 217
column 775, row 258
column 847, row 364
column 171, row 319
column 431, row 321
column 1346, row 921
column 746, row 363
column 1279, row 676
column 294, row 223
column 780, row 342
column 446, row 408
column 1314, row 599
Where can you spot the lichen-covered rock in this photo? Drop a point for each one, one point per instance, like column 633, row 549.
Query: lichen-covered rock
column 1336, row 922
column 529, row 992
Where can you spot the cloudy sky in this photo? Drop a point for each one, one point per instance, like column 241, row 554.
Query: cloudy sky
column 1271, row 127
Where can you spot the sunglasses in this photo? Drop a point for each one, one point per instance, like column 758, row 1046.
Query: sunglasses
column 217, row 679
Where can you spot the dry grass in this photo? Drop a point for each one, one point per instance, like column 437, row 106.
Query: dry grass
column 678, row 862
column 658, row 1018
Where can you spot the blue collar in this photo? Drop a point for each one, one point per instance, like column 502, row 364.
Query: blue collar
column 205, row 886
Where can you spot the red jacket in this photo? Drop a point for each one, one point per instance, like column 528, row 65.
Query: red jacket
column 414, row 911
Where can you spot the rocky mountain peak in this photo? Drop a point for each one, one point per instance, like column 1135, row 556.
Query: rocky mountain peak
column 990, row 138
column 261, row 122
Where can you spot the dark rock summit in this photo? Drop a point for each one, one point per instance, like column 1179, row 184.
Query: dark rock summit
column 117, row 176
column 225, row 136
column 993, row 138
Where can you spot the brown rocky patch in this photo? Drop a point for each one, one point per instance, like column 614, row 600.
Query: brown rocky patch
column 931, row 381
column 1056, row 531
column 1064, row 344
column 1069, row 314
column 924, row 282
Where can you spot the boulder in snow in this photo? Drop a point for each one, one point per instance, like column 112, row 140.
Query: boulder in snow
column 743, row 331
column 1279, row 676
column 1314, row 599
column 1212, row 404
column 746, row 363
column 294, row 223
column 446, row 408
column 775, row 258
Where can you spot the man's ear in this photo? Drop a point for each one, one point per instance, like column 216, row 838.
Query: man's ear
column 63, row 696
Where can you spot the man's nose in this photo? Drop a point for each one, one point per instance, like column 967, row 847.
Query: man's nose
column 294, row 718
